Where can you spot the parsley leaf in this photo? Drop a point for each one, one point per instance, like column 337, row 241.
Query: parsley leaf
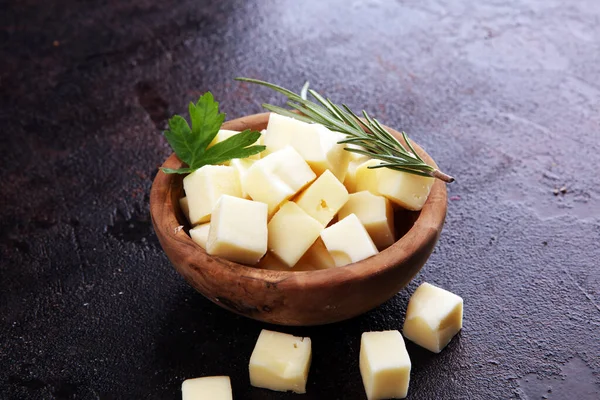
column 191, row 144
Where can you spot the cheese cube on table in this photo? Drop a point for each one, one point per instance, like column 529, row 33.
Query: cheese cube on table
column 350, row 180
column 199, row 234
column 280, row 362
column 323, row 198
column 185, row 207
column 238, row 230
column 433, row 317
column 204, row 186
column 348, row 241
column 225, row 134
column 384, row 365
column 375, row 213
column 242, row 165
column 207, row 388
column 277, row 177
column 409, row 191
column 292, row 232
column 315, row 143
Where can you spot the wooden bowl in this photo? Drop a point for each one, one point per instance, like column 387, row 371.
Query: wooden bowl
column 295, row 298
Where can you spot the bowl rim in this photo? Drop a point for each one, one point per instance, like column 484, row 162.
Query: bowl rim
column 425, row 230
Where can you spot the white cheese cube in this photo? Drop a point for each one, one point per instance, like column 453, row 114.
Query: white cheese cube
column 199, row 234
column 280, row 362
column 409, row 191
column 433, row 317
column 316, row 257
column 277, row 177
column 204, row 186
column 242, row 165
column 225, row 134
column 238, row 230
column 384, row 365
column 207, row 388
column 375, row 213
column 348, row 241
column 291, row 232
column 350, row 180
column 315, row 143
column 323, row 198
column 356, row 156
column 185, row 207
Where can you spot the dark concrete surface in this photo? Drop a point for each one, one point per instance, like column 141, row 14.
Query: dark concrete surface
column 504, row 94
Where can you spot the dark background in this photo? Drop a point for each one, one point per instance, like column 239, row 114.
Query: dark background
column 505, row 95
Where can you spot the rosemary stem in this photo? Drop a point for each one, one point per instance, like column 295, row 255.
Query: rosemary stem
column 442, row 176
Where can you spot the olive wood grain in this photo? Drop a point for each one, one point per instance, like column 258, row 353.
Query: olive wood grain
column 295, row 298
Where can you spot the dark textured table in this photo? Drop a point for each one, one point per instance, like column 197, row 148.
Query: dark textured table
column 504, row 94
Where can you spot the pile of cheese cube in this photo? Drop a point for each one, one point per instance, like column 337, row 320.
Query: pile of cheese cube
column 281, row 361
column 304, row 203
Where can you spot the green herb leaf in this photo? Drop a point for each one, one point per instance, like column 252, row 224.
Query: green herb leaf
column 177, row 171
column 233, row 147
column 191, row 144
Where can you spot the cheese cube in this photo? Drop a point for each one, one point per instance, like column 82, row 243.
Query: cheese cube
column 204, row 186
column 185, row 207
column 348, row 241
column 433, row 317
column 375, row 213
column 280, row 362
column 225, row 134
column 199, row 234
column 242, row 165
column 315, row 143
column 291, row 232
column 316, row 257
column 356, row 156
column 238, row 230
column 350, row 180
column 323, row 198
column 207, row 388
column 409, row 191
column 384, row 365
column 278, row 177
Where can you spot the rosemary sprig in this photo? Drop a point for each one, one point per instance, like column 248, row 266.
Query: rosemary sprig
column 368, row 134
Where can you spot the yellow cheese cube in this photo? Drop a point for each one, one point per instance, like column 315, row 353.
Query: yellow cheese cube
column 204, row 186
column 315, row 143
column 225, row 134
column 291, row 232
column 409, row 191
column 207, row 388
column 433, row 317
column 350, row 180
column 280, row 362
column 384, row 365
column 185, row 207
column 199, row 234
column 316, row 257
column 278, row 177
column 242, row 165
column 375, row 213
column 356, row 156
column 238, row 230
column 323, row 198
column 348, row 241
